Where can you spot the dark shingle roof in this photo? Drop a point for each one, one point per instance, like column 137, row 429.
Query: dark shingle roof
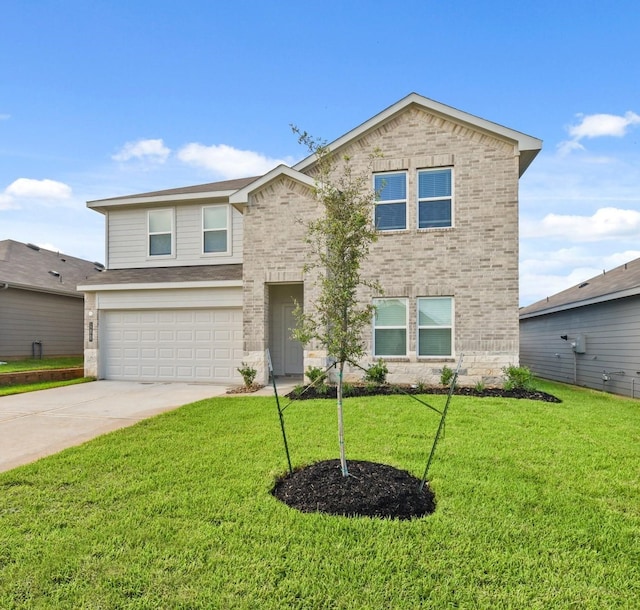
column 30, row 267
column 617, row 283
column 224, row 185
column 155, row 275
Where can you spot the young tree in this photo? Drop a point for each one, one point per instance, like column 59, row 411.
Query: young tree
column 339, row 241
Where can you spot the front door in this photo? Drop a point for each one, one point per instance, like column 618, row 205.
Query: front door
column 286, row 354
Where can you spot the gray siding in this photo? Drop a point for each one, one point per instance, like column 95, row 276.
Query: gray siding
column 127, row 239
column 612, row 335
column 27, row 316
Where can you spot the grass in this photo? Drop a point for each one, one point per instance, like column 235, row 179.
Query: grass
column 538, row 507
column 45, row 385
column 35, row 364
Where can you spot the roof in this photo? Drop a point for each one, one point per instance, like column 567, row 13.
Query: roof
column 223, row 188
column 621, row 282
column 528, row 146
column 160, row 275
column 30, row 267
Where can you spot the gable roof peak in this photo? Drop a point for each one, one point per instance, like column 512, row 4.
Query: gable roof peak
column 528, row 146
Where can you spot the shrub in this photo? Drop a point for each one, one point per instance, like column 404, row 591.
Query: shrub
column 479, row 387
column 248, row 374
column 518, row 378
column 421, row 385
column 315, row 374
column 446, row 375
column 377, row 373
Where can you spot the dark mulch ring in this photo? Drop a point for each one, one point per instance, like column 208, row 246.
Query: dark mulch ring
column 389, row 389
column 370, row 490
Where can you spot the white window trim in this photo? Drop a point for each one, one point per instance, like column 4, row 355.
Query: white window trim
column 426, row 199
column 386, row 202
column 155, row 257
column 227, row 252
column 452, row 327
column 406, row 328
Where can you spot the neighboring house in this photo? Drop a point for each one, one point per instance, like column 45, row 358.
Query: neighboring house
column 200, row 279
column 41, row 310
column 588, row 335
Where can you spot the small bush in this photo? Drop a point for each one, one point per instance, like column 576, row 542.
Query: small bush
column 315, row 374
column 248, row 374
column 446, row 375
column 479, row 387
column 421, row 385
column 347, row 389
column 518, row 378
column 377, row 373
column 298, row 391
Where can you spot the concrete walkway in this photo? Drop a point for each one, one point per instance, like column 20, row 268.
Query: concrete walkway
column 37, row 424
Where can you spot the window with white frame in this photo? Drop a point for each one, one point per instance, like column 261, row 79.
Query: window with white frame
column 391, row 201
column 435, row 199
column 215, row 229
column 160, row 226
column 435, row 326
column 390, row 327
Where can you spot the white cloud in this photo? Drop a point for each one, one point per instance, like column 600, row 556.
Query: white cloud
column 5, row 117
column 154, row 150
column 28, row 189
column 24, row 188
column 597, row 126
column 606, row 223
column 226, row 161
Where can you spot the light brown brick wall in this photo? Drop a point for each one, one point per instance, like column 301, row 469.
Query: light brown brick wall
column 476, row 261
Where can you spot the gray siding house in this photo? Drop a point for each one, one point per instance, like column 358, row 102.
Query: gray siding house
column 41, row 310
column 588, row 335
column 200, row 279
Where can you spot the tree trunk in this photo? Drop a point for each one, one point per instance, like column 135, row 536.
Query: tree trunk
column 343, row 457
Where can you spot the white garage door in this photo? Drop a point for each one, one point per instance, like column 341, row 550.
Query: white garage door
column 202, row 345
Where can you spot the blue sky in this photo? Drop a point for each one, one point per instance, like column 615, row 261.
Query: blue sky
column 107, row 98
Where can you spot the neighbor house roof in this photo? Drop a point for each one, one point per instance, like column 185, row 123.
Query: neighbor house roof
column 621, row 282
column 528, row 146
column 29, row 267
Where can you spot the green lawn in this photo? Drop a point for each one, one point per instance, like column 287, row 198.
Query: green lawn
column 538, row 507
column 37, row 364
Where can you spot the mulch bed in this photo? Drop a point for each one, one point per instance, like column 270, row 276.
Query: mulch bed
column 370, row 490
column 358, row 390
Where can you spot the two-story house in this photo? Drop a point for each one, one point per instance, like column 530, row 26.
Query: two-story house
column 202, row 278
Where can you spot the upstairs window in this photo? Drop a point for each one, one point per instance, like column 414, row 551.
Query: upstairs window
column 160, row 225
column 435, row 326
column 434, row 198
column 390, row 327
column 391, row 201
column 215, row 229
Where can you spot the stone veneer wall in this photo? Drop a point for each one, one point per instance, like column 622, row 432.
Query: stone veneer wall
column 476, row 261
column 90, row 347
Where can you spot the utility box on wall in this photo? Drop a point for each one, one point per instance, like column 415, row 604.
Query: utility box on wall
column 580, row 344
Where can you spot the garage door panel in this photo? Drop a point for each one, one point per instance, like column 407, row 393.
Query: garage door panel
column 166, row 345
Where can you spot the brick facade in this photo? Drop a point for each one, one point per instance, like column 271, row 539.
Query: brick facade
column 475, row 261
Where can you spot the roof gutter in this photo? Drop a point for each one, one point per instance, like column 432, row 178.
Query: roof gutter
column 4, row 285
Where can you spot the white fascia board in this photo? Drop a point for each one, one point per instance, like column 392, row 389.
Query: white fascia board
column 102, row 204
column 613, row 296
column 525, row 142
column 242, row 196
column 162, row 285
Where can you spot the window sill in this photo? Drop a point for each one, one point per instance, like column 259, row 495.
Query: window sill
column 394, row 358
column 435, row 229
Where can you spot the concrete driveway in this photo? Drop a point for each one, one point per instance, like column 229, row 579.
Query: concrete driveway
column 37, row 424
